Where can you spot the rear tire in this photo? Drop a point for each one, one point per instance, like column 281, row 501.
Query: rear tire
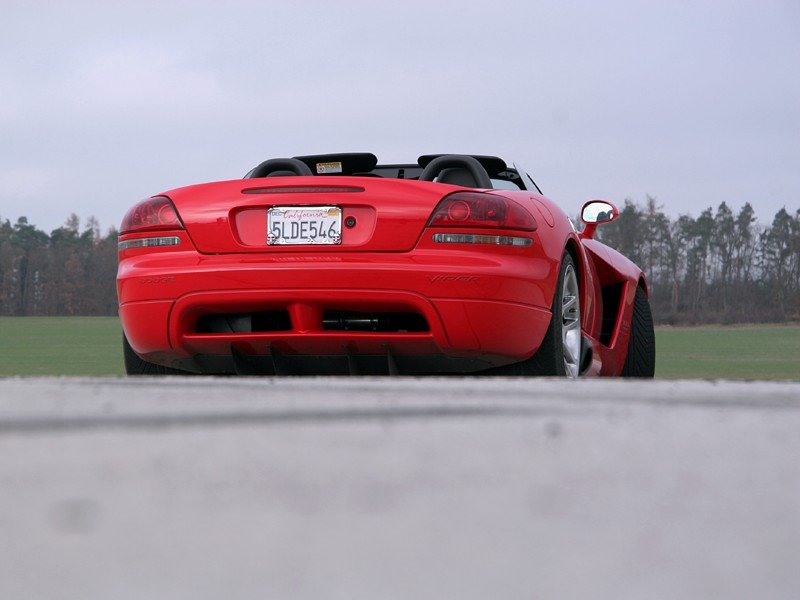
column 134, row 365
column 641, row 358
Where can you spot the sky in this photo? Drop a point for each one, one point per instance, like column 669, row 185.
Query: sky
column 695, row 103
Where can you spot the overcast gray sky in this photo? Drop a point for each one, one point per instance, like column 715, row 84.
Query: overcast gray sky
column 695, row 103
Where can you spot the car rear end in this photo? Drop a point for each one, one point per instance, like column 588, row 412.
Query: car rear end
column 323, row 275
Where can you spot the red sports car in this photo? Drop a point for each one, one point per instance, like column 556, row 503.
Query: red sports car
column 335, row 264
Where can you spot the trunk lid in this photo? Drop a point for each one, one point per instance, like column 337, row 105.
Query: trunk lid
column 376, row 214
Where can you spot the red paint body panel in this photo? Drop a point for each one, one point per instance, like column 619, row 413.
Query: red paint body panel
column 483, row 305
column 391, row 214
column 145, row 325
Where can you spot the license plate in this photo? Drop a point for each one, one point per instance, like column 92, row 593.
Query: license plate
column 304, row 225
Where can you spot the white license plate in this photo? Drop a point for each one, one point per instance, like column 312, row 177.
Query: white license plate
column 304, row 225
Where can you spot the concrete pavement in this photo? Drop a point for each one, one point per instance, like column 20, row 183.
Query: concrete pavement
column 398, row 488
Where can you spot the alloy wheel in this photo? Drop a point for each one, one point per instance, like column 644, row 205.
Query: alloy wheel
column 571, row 323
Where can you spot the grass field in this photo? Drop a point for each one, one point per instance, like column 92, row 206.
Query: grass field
column 752, row 352
column 92, row 346
column 60, row 346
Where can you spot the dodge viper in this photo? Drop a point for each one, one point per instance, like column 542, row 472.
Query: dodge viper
column 335, row 264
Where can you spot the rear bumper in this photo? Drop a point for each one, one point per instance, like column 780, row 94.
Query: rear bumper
column 480, row 312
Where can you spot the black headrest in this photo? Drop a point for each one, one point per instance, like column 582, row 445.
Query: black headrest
column 460, row 177
column 478, row 177
column 492, row 164
column 273, row 166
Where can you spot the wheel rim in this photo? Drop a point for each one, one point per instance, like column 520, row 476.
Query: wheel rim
column 571, row 323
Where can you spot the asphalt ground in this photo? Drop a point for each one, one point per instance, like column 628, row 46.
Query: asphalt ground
column 398, row 488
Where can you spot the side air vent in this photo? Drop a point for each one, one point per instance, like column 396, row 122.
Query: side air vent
column 385, row 322
column 255, row 322
column 612, row 297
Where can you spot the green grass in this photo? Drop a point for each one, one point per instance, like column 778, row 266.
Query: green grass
column 751, row 352
column 60, row 346
column 92, row 346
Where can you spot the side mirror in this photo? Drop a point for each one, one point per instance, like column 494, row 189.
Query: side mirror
column 595, row 212
column 598, row 211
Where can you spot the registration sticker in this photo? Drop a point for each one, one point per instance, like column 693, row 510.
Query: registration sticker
column 287, row 225
column 329, row 167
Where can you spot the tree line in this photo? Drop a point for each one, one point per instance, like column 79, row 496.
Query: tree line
column 721, row 267
column 72, row 271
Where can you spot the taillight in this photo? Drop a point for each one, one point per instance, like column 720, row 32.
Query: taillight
column 479, row 209
column 153, row 214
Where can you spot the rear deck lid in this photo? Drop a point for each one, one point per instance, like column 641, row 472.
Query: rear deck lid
column 289, row 214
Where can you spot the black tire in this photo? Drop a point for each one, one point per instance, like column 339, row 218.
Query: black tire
column 641, row 358
column 136, row 366
column 549, row 359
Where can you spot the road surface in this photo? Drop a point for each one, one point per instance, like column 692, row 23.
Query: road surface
column 398, row 488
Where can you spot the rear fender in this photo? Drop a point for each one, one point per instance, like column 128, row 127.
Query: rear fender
column 617, row 279
column 556, row 235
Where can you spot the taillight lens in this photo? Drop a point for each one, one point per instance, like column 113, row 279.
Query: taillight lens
column 152, row 214
column 478, row 209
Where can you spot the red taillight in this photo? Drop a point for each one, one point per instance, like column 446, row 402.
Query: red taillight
column 478, row 209
column 151, row 215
